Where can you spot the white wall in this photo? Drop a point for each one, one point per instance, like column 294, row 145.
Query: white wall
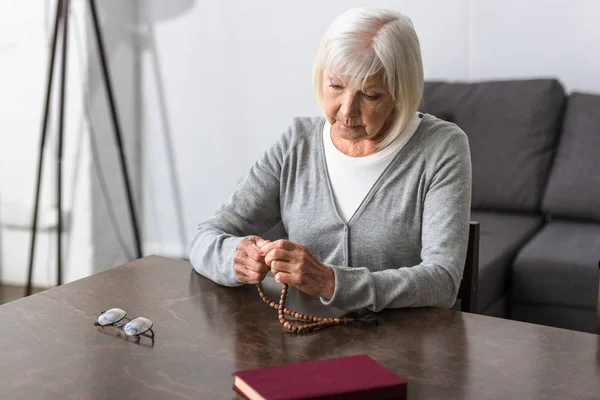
column 555, row 38
column 25, row 32
column 233, row 73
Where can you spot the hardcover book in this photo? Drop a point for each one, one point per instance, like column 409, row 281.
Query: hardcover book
column 350, row 377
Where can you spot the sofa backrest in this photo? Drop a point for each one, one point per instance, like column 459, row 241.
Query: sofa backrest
column 512, row 128
column 573, row 189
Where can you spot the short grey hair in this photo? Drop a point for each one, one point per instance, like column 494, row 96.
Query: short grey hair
column 361, row 43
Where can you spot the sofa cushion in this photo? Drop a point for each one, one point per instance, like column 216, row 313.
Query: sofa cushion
column 512, row 128
column 498, row 308
column 575, row 318
column 501, row 236
column 573, row 188
column 559, row 266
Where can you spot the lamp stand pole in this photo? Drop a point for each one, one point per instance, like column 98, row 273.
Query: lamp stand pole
column 62, row 17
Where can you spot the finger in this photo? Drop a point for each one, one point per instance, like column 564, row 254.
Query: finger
column 243, row 259
column 256, row 263
column 278, row 254
column 260, row 242
column 256, row 241
column 240, row 259
column 278, row 244
column 241, row 273
column 256, row 266
column 281, row 266
column 255, row 277
column 283, row 277
column 249, row 249
column 245, row 274
column 244, row 247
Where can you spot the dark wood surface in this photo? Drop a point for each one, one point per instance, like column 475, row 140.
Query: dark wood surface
column 49, row 347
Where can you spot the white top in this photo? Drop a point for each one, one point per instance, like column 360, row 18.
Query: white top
column 352, row 177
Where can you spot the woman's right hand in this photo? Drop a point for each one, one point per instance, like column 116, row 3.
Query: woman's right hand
column 250, row 266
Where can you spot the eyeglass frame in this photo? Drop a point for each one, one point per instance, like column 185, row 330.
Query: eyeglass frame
column 120, row 325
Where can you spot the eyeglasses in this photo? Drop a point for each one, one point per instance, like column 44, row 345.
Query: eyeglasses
column 137, row 327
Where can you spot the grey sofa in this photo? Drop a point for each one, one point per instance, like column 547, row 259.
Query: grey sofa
column 536, row 192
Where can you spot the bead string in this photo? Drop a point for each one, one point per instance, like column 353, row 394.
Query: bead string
column 312, row 322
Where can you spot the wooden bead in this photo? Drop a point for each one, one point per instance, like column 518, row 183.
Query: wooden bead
column 310, row 323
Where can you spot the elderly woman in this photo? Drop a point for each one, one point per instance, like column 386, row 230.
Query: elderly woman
column 375, row 197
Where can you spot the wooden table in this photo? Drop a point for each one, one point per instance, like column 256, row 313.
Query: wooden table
column 50, row 348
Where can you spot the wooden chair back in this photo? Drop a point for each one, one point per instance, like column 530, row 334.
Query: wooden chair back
column 468, row 291
column 598, row 306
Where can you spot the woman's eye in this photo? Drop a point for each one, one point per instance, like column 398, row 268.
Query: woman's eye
column 335, row 87
column 372, row 97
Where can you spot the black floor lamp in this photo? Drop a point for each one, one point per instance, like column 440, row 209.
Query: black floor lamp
column 62, row 13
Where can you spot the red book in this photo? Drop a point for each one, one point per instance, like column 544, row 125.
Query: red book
column 352, row 377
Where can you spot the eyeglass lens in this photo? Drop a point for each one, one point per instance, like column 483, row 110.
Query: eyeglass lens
column 111, row 316
column 137, row 326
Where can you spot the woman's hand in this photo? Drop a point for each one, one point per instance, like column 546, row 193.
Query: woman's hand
column 295, row 265
column 250, row 266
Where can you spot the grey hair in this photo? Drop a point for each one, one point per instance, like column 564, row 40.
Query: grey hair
column 361, row 43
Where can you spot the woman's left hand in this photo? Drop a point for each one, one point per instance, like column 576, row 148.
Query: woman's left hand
column 294, row 264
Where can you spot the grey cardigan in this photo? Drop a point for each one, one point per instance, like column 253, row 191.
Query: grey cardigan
column 405, row 246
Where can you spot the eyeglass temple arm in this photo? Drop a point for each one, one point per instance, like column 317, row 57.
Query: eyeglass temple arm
column 145, row 333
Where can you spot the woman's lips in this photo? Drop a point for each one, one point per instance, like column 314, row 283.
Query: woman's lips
column 349, row 126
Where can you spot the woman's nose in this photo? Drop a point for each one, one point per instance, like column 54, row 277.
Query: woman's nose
column 350, row 107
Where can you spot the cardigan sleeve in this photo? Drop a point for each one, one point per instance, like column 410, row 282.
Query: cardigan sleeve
column 252, row 209
column 444, row 237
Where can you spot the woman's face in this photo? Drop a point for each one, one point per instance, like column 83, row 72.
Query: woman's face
column 355, row 114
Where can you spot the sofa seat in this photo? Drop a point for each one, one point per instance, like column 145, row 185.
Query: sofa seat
column 558, row 270
column 501, row 236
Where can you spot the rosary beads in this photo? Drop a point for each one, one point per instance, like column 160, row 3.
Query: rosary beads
column 310, row 323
